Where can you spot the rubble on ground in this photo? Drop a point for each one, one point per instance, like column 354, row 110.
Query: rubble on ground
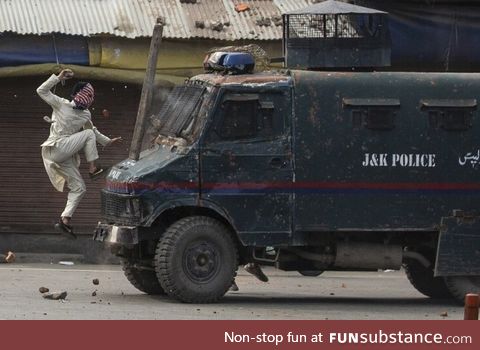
column 55, row 295
column 43, row 290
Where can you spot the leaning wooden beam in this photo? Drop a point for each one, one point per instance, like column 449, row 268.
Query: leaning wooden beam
column 147, row 90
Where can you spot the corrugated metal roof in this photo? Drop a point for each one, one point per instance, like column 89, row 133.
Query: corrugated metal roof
column 335, row 8
column 289, row 5
column 212, row 19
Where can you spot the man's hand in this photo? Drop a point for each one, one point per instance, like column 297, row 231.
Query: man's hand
column 65, row 74
column 114, row 140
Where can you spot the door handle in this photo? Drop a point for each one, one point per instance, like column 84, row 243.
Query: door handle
column 276, row 162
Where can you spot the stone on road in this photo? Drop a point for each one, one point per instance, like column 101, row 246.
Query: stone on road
column 43, row 290
column 287, row 295
column 55, row 295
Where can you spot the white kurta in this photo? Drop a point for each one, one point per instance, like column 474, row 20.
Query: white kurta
column 60, row 150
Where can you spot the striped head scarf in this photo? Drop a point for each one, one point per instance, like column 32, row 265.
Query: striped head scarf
column 84, row 97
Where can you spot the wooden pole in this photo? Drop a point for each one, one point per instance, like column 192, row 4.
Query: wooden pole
column 147, row 89
column 472, row 302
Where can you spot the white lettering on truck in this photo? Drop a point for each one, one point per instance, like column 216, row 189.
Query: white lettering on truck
column 471, row 158
column 401, row 160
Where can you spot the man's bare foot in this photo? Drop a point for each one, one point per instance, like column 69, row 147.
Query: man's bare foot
column 10, row 257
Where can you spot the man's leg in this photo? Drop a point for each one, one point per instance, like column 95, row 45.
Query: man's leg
column 75, row 184
column 84, row 140
column 69, row 170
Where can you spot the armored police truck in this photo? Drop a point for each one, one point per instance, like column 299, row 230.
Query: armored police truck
column 328, row 170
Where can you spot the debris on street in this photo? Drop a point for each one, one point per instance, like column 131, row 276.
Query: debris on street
column 96, row 281
column 66, row 263
column 55, row 295
column 94, row 293
column 444, row 314
column 43, row 290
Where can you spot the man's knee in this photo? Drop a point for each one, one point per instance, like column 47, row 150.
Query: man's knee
column 89, row 133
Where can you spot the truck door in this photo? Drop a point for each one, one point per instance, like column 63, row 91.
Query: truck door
column 246, row 163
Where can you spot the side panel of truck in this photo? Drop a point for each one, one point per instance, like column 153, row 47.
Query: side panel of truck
column 246, row 161
column 385, row 151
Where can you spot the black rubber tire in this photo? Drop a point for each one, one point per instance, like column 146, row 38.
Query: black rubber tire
column 459, row 286
column 144, row 280
column 422, row 279
column 196, row 260
column 310, row 273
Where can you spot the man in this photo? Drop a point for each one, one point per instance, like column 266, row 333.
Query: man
column 71, row 131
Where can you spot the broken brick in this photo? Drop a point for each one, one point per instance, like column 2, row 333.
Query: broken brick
column 242, row 7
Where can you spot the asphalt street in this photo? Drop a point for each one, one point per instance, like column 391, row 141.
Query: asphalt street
column 333, row 295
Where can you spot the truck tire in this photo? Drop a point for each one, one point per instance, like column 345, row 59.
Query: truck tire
column 310, row 273
column 422, row 279
column 459, row 286
column 144, row 280
column 196, row 260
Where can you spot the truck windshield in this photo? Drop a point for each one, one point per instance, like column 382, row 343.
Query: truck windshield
column 177, row 117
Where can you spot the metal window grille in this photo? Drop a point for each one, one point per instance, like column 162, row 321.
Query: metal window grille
column 312, row 26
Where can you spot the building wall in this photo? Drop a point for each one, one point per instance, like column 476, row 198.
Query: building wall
column 177, row 59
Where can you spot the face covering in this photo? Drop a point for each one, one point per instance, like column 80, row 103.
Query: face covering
column 83, row 99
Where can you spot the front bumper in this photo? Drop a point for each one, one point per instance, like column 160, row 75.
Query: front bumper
column 115, row 234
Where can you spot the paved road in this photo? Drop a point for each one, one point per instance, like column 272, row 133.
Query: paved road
column 333, row 295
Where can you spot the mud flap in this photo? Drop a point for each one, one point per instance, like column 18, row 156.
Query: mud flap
column 458, row 252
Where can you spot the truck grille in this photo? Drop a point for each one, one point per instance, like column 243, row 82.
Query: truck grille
column 121, row 209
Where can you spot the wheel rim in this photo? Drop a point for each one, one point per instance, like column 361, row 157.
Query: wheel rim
column 200, row 262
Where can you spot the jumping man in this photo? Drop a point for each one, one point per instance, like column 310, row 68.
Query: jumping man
column 71, row 131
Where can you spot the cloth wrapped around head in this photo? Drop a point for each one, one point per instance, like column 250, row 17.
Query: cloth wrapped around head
column 83, row 95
